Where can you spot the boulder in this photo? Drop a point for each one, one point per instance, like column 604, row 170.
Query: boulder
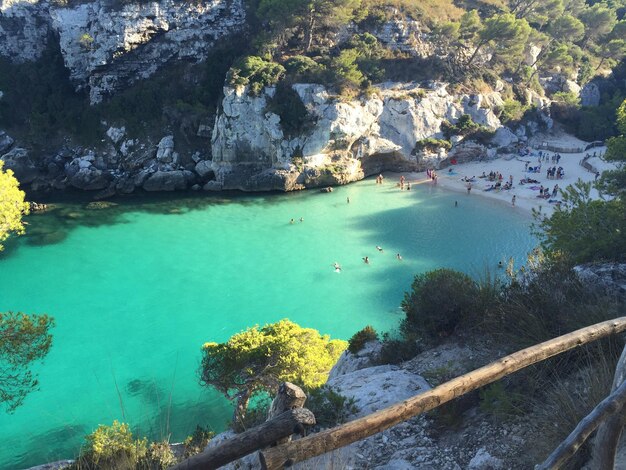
column 204, row 169
column 504, row 137
column 89, row 178
column 349, row 362
column 116, row 134
column 23, row 167
column 166, row 181
column 165, row 149
column 377, row 387
column 5, row 142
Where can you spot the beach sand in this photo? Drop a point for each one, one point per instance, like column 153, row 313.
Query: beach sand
column 513, row 164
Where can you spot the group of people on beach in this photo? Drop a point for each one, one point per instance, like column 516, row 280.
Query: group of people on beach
column 545, row 192
column 380, row 179
column 401, row 183
column 555, row 173
column 431, row 174
column 544, row 156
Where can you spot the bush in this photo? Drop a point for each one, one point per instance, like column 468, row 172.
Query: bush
column 112, row 447
column 439, row 301
column 196, row 443
column 256, row 73
column 358, row 340
column 329, row 407
column 303, row 68
column 397, row 350
column 512, row 111
column 432, row 145
column 160, row 456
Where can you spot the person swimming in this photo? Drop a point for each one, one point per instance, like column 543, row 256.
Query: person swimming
column 337, row 266
column 379, row 248
column 366, row 260
column 301, row 219
column 399, row 256
column 291, row 221
column 499, row 264
column 348, row 199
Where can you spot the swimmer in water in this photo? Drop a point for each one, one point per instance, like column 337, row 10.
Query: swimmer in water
column 456, row 203
column 301, row 219
column 337, row 266
column 291, row 221
column 366, row 260
column 499, row 264
column 348, row 200
column 379, row 248
column 399, row 256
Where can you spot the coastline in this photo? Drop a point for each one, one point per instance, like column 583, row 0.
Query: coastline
column 526, row 200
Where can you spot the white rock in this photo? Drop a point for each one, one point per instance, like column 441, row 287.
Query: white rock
column 203, row 168
column 504, row 137
column 165, row 149
column 116, row 133
column 375, row 388
column 483, row 460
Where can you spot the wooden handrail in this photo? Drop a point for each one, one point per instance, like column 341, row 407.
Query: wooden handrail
column 340, row 436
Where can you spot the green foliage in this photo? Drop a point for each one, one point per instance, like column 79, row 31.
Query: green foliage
column 512, row 110
column 259, row 359
column 439, row 301
column 329, row 407
column 432, row 145
column 86, row 41
column 497, row 401
column 396, row 350
column 24, row 339
column 159, row 456
column 303, row 68
column 295, row 119
column 12, row 206
column 358, row 340
column 196, row 443
column 584, row 229
column 439, row 375
column 566, row 97
column 112, row 447
column 255, row 72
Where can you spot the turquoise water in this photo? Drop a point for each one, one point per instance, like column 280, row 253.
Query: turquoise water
column 138, row 288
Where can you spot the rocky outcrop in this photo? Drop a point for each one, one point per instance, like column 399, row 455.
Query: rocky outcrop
column 107, row 45
column 383, row 128
column 607, row 277
column 20, row 162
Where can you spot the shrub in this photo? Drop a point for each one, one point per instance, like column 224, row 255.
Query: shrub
column 358, row 340
column 512, row 111
column 397, row 350
column 196, row 443
column 432, row 145
column 303, row 68
column 438, row 302
column 329, row 407
column 112, row 447
column 256, row 73
column 160, row 456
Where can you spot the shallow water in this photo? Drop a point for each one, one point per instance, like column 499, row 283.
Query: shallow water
column 137, row 288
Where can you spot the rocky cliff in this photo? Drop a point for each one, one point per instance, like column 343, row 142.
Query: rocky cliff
column 349, row 139
column 251, row 151
column 107, row 44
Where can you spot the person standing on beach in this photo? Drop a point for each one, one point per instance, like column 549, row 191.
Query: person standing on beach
column 469, row 188
column 513, row 201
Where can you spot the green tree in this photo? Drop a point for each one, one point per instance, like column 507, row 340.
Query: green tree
column 585, row 229
column 437, row 303
column 505, row 33
column 259, row 359
column 599, row 20
column 12, row 205
column 24, row 339
column 614, row 182
column 306, row 15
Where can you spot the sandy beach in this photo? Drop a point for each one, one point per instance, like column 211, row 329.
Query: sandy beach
column 526, row 195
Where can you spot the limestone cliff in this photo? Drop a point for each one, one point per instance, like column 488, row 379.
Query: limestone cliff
column 107, row 44
column 361, row 136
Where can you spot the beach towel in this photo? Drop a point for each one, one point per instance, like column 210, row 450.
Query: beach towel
column 535, row 188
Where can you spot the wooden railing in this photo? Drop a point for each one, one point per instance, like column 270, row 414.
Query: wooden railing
column 288, row 453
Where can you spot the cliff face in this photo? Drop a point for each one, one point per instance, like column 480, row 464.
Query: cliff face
column 107, row 44
column 344, row 141
column 367, row 135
